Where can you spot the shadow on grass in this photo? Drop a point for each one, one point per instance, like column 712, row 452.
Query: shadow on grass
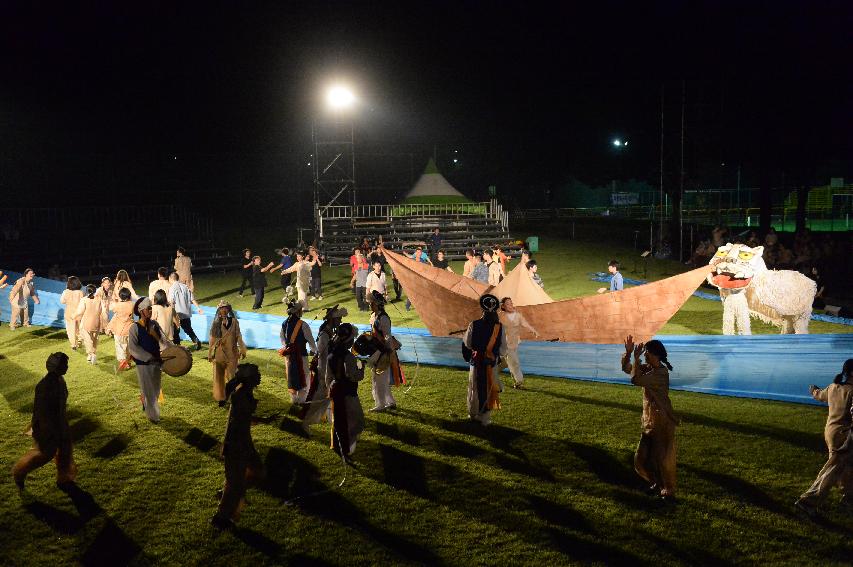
column 111, row 546
column 259, row 542
column 189, row 434
column 800, row 439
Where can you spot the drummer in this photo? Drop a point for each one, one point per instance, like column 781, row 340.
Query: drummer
column 387, row 370
column 295, row 335
column 318, row 390
column 145, row 340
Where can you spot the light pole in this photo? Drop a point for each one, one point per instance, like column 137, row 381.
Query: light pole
column 333, row 159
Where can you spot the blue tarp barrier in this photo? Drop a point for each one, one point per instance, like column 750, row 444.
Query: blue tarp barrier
column 605, row 278
column 774, row 367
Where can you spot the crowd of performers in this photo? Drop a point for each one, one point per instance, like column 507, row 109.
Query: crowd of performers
column 325, row 387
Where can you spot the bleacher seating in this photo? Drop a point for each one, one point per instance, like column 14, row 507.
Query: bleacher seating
column 459, row 231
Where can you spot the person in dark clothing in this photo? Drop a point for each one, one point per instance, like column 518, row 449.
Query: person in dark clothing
column 259, row 280
column 243, row 465
column 51, row 434
column 245, row 271
column 435, row 241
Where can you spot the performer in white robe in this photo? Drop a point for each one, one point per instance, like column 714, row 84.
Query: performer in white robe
column 387, row 371
column 145, row 341
column 513, row 322
column 302, row 268
column 70, row 298
column 317, row 400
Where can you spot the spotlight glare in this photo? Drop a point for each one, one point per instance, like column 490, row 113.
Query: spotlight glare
column 617, row 143
column 340, row 97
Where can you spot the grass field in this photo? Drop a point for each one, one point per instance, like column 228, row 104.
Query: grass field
column 549, row 483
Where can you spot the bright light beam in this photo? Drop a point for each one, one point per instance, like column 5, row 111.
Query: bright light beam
column 340, row 97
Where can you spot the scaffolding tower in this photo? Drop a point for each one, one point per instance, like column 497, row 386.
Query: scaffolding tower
column 334, row 165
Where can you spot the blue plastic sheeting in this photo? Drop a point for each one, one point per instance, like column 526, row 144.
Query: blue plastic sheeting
column 774, row 367
column 605, row 278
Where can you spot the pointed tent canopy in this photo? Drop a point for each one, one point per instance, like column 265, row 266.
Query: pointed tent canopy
column 433, row 184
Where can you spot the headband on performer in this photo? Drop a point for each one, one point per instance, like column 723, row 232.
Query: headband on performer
column 141, row 303
column 489, row 303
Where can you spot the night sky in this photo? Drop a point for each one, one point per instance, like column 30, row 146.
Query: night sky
column 103, row 100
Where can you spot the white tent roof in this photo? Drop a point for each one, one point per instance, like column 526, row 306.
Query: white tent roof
column 433, row 183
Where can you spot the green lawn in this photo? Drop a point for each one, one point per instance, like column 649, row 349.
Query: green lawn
column 549, row 483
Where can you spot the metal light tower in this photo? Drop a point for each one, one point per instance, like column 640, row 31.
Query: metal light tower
column 333, row 137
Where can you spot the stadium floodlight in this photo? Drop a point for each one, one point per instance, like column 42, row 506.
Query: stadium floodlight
column 340, row 97
column 619, row 143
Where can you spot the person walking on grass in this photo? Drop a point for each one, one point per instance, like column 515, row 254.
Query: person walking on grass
column 105, row 296
column 317, row 399
column 387, row 370
column 654, row 460
column 245, row 271
column 259, row 281
column 375, row 282
column 161, row 283
column 285, row 262
column 89, row 315
column 122, row 281
column 165, row 315
column 243, row 465
column 302, row 269
column 70, row 298
column 184, row 266
column 616, row 283
column 344, row 373
column 119, row 326
column 295, row 337
column 838, row 469
column 19, row 297
column 316, row 273
column 145, row 341
column 226, row 348
column 485, row 343
column 513, row 323
column 182, row 299
column 359, row 283
column 51, row 434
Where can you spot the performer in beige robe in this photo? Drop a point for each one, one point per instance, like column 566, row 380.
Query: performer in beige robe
column 89, row 315
column 838, row 435
column 70, row 298
column 162, row 282
column 19, row 297
column 105, row 295
column 302, row 269
column 122, row 281
column 184, row 265
column 654, row 460
column 119, row 327
column 513, row 322
column 226, row 348
column 164, row 314
column 51, row 434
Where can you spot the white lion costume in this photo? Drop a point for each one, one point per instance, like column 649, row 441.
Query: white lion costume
column 779, row 297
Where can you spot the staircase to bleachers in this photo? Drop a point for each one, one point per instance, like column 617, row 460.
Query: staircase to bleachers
column 402, row 227
column 92, row 242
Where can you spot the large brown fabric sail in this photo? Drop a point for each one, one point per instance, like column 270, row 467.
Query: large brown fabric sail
column 448, row 302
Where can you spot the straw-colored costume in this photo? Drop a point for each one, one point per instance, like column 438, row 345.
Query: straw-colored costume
column 70, row 298
column 89, row 315
column 225, row 351
column 19, row 297
column 184, row 265
column 119, row 327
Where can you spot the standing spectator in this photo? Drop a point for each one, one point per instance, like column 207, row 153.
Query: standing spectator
column 468, row 268
column 181, row 298
column 495, row 275
column 316, row 275
column 184, row 266
column 70, row 298
column 435, row 241
column 19, row 297
column 89, row 314
column 441, row 262
column 501, row 258
column 359, row 283
column 480, row 271
column 51, row 434
column 375, row 281
column 355, row 260
column 162, row 282
column 122, row 281
column 365, row 246
column 377, row 255
column 533, row 270
column 259, row 281
column 245, row 271
column 616, row 283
